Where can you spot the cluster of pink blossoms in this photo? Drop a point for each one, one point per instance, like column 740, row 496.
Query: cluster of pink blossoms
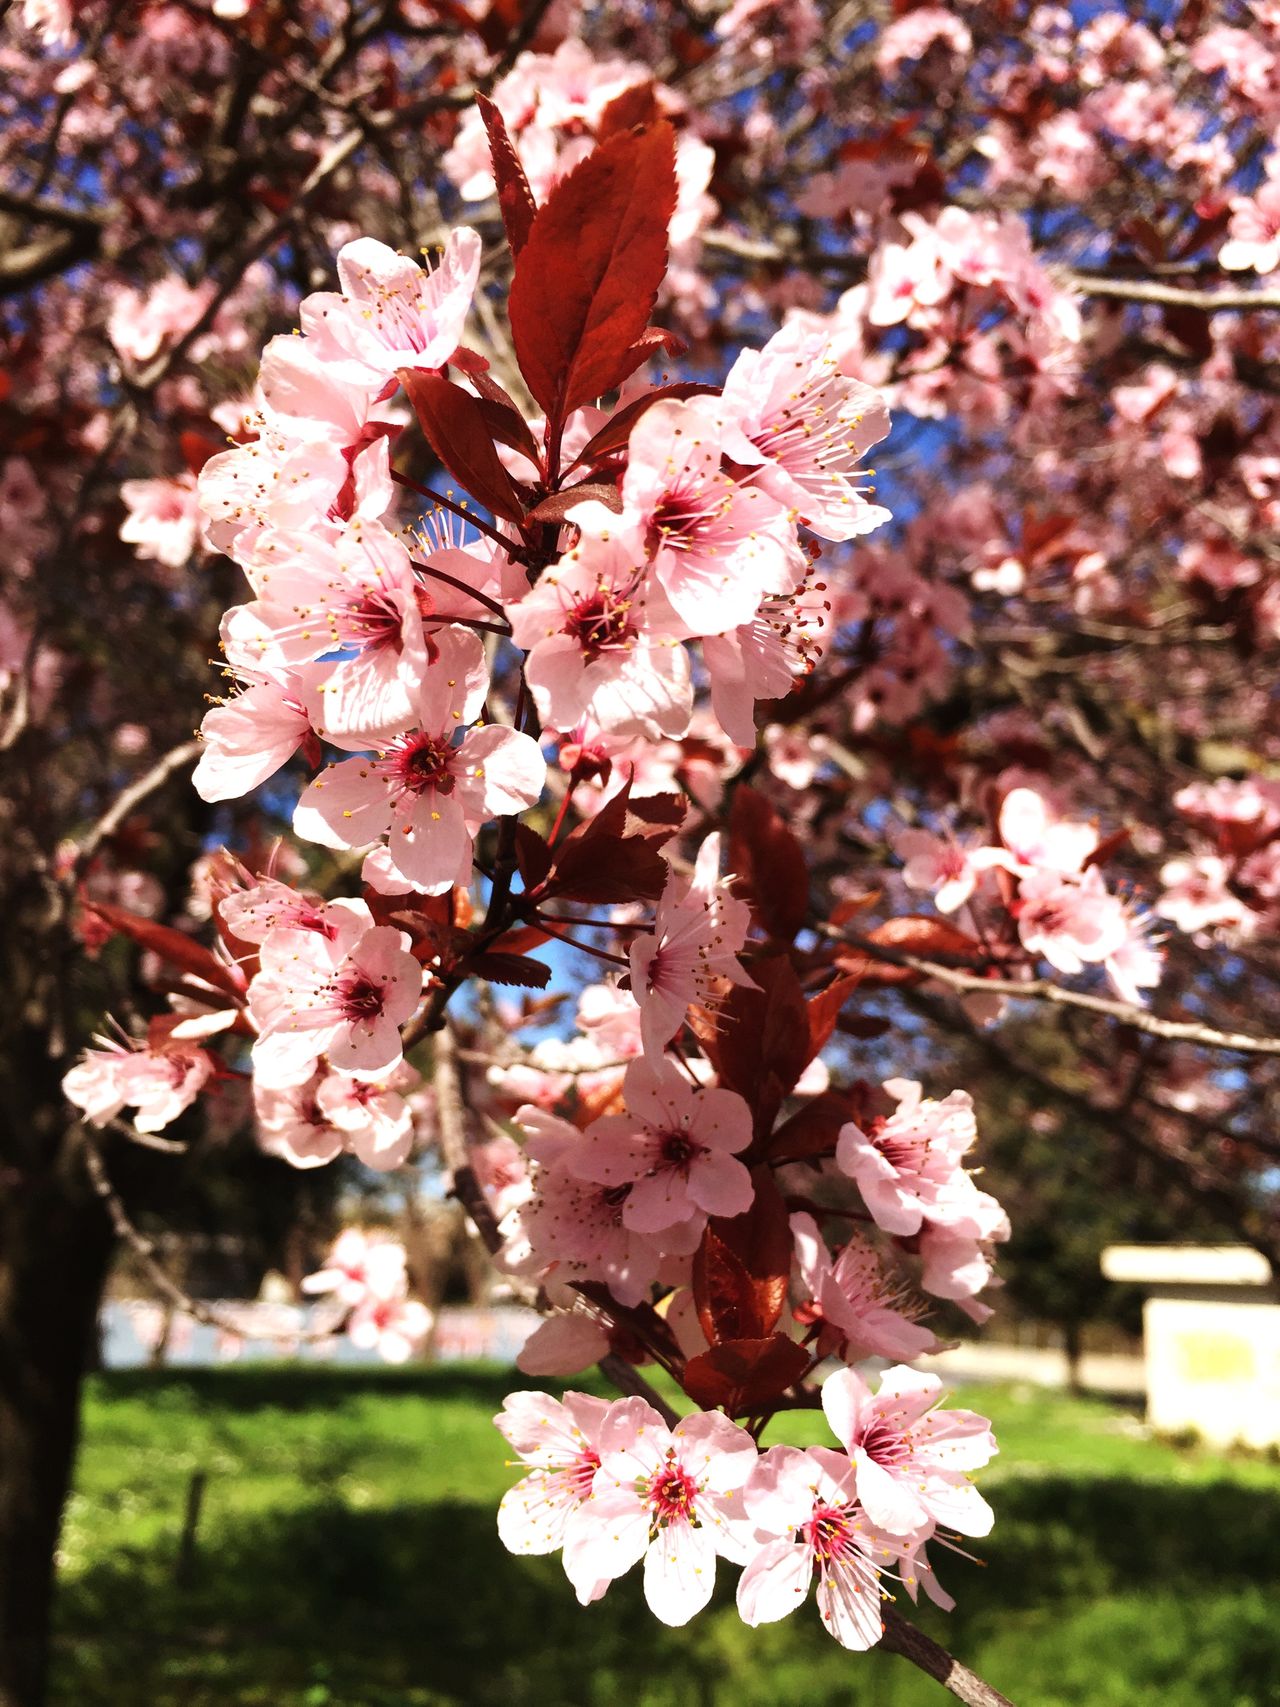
column 647, row 578
column 1230, row 881
column 610, row 1485
column 1058, row 896
column 367, row 1280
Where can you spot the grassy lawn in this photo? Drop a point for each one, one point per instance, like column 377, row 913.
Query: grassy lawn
column 347, row 1557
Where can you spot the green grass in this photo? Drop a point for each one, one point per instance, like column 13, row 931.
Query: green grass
column 347, row 1557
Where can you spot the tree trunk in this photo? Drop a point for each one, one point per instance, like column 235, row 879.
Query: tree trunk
column 1073, row 1348
column 54, row 1244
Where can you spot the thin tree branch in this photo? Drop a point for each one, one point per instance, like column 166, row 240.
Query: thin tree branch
column 1045, row 990
column 133, row 796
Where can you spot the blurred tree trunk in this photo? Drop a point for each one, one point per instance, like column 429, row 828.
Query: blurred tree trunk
column 55, row 1240
column 1073, row 1346
column 54, row 1244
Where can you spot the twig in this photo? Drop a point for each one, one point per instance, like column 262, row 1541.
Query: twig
column 1175, row 296
column 164, row 1283
column 1044, row 990
column 902, row 1637
column 133, row 796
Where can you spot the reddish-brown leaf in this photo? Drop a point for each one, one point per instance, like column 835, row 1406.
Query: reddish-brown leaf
column 533, row 856
column 812, row 1131
column 587, row 278
column 510, row 969
column 504, row 419
column 762, row 1039
column 914, row 934
column 824, row 1010
column 174, row 947
column 454, row 424
column 754, row 1251
column 608, row 869
column 556, row 507
column 770, row 871
column 515, row 198
column 637, row 105
column 745, row 1375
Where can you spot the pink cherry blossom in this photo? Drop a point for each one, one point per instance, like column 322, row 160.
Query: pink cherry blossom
column 332, row 1113
column 1070, row 921
column 355, row 593
column 760, row 659
column 158, row 1083
column 698, row 931
column 1196, row 895
column 675, row 1147
column 916, row 32
column 601, row 645
column 672, row 1497
column 859, row 1310
column 393, row 1327
column 718, row 548
column 428, row 793
column 163, row 523
column 909, row 1167
column 358, row 1267
column 316, row 997
column 911, row 1459
column 563, row 1344
column 1035, row 835
column 559, row 1442
column 945, row 868
column 803, row 1507
column 805, row 426
column 1253, row 236
column 575, row 1227
column 249, row 736
column 392, row 314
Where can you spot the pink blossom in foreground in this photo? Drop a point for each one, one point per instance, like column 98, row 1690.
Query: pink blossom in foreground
column 316, row 997
column 912, row 1460
column 559, row 1442
column 158, row 1083
column 355, row 593
column 910, row 1167
column 428, row 793
column 672, row 1497
column 859, row 1312
column 392, row 313
column 698, row 931
column 602, row 645
column 563, row 1344
column 675, row 1147
column 804, row 1511
column 717, row 548
column 333, row 1113
column 574, row 1228
column 249, row 736
column 805, row 426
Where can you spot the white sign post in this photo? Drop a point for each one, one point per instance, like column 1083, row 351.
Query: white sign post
column 1211, row 1325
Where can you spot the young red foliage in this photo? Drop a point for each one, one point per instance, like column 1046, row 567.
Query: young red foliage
column 455, row 427
column 741, row 1267
column 745, row 1375
column 771, row 873
column 587, row 278
column 515, row 198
